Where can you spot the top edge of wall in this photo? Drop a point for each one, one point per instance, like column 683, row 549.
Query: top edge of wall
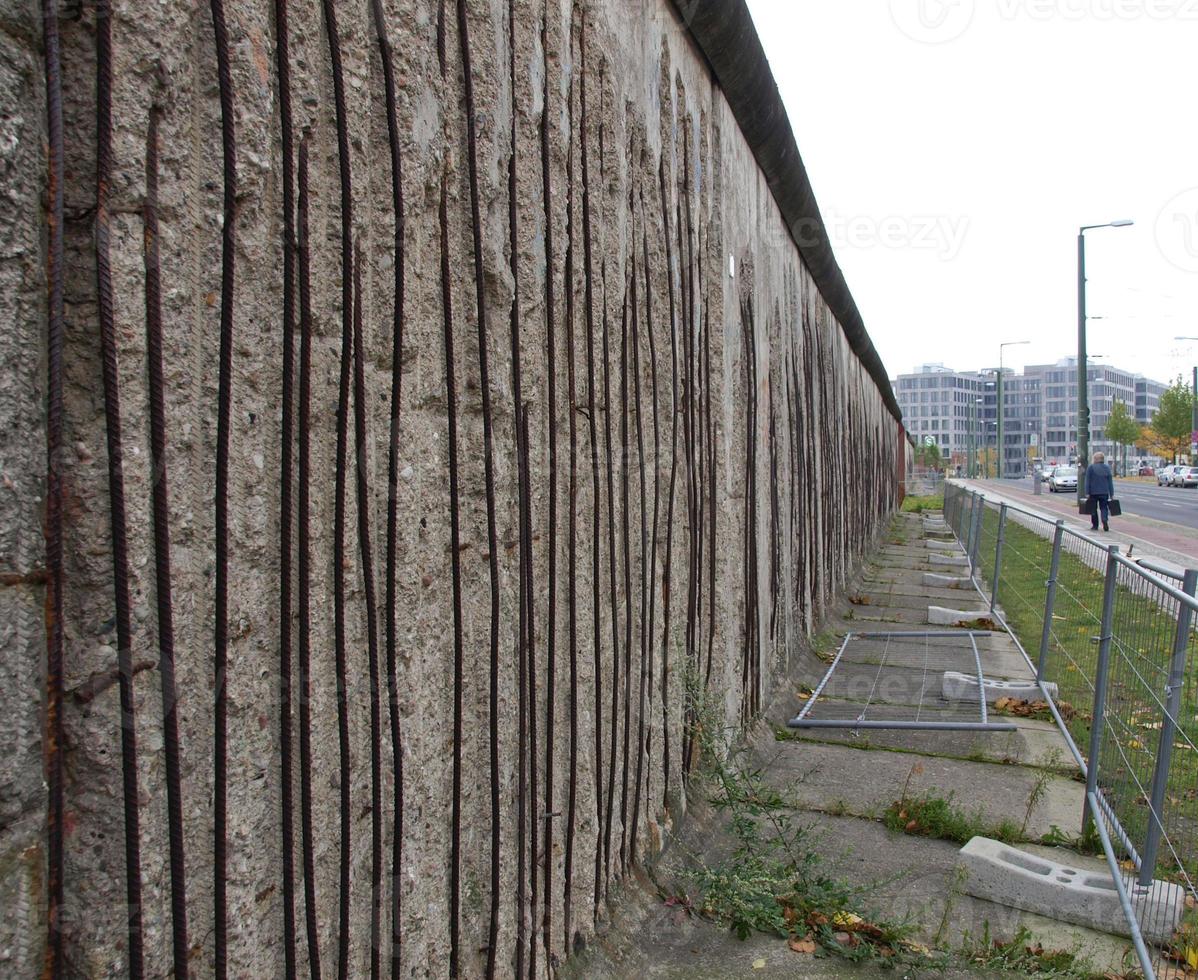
column 725, row 34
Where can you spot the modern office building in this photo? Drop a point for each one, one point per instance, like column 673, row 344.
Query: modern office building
column 1148, row 398
column 953, row 409
column 958, row 410
column 1106, row 385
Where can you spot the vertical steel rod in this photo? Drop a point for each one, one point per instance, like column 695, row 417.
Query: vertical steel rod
column 1164, row 756
column 1100, row 681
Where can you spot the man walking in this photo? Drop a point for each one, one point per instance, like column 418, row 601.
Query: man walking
column 1100, row 488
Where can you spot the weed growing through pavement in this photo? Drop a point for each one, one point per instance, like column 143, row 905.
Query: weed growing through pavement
column 1024, row 956
column 1034, row 798
column 773, row 881
column 940, row 818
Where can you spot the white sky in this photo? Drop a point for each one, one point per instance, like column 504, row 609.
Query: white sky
column 956, row 146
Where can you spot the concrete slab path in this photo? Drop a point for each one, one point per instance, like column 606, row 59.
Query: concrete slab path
column 840, row 784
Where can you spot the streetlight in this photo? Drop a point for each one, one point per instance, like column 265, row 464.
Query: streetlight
column 1083, row 405
column 973, row 436
column 1001, row 452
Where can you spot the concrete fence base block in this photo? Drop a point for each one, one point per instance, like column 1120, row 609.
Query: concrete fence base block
column 1007, row 876
column 955, row 686
column 944, row 546
column 940, row 616
column 946, row 581
column 951, row 561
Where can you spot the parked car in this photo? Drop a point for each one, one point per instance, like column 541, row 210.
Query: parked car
column 1063, row 478
column 1184, row 476
column 1164, row 475
column 1147, row 471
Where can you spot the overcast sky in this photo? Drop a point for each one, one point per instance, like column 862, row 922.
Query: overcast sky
column 956, row 146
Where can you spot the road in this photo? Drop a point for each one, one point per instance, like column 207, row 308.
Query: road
column 1156, row 521
column 1173, row 505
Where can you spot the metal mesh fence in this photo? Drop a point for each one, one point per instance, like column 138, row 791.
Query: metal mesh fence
column 1119, row 643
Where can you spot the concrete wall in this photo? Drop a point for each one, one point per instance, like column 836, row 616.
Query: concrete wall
column 705, row 462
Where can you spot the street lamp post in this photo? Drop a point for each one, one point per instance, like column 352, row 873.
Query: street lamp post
column 973, row 432
column 1001, row 451
column 1083, row 405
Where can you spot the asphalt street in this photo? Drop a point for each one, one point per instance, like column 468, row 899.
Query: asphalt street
column 1173, row 505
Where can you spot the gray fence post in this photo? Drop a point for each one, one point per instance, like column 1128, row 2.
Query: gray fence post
column 1050, row 602
column 1100, row 680
column 1002, row 527
column 1164, row 753
column 966, row 521
column 979, row 514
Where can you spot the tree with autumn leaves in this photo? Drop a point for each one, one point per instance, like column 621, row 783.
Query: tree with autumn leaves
column 1123, row 430
column 1168, row 435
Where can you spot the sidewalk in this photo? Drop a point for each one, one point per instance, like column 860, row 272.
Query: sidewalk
column 1137, row 537
column 842, row 783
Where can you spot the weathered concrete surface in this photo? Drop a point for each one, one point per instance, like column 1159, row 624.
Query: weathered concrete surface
column 863, row 784
column 22, row 488
column 693, row 427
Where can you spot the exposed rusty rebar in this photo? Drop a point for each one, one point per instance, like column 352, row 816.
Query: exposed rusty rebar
column 223, row 429
column 304, row 567
column 451, row 408
column 286, row 515
column 392, row 597
column 484, row 382
column 162, row 555
column 116, row 487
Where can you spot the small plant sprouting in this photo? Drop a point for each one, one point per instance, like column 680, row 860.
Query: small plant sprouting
column 773, row 881
column 934, row 816
column 1035, row 797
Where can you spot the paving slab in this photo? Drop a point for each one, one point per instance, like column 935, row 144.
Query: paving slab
column 832, row 777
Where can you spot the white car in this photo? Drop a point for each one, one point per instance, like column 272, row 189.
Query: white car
column 1063, row 478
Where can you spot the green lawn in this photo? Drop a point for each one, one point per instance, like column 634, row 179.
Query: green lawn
column 1144, row 627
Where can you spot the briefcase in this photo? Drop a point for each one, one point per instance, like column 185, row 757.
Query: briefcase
column 1088, row 506
column 1115, row 507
